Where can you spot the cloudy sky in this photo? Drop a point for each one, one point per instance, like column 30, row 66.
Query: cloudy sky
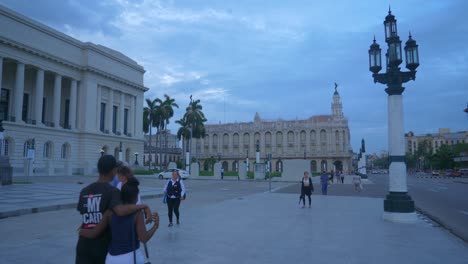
column 280, row 58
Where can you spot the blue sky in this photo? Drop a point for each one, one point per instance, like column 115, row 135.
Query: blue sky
column 280, row 58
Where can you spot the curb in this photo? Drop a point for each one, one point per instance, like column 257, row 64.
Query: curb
column 441, row 223
column 49, row 208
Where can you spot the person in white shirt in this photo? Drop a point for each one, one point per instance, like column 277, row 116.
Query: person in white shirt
column 175, row 193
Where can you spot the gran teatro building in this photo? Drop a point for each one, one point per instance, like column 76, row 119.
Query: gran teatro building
column 324, row 140
column 64, row 102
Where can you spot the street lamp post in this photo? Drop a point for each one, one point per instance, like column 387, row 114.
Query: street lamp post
column 136, row 158
column 102, row 152
column 398, row 205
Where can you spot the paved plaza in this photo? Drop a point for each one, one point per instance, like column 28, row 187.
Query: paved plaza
column 241, row 222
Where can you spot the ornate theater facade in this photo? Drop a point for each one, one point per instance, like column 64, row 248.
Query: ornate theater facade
column 324, row 140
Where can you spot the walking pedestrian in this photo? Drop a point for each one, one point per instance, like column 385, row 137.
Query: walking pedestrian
column 331, row 176
column 324, row 182
column 127, row 231
column 306, row 188
column 94, row 200
column 342, row 177
column 337, row 176
column 357, row 183
column 175, row 193
column 222, row 172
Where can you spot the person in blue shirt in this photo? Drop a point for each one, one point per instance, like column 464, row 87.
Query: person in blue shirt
column 324, row 182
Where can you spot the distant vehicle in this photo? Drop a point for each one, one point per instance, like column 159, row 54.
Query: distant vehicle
column 452, row 173
column 464, row 172
column 435, row 173
column 167, row 174
column 375, row 172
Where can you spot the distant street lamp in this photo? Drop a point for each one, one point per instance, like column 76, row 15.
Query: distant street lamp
column 136, row 158
column 102, row 152
column 398, row 205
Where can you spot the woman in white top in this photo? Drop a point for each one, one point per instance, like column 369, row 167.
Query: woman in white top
column 175, row 193
column 306, row 188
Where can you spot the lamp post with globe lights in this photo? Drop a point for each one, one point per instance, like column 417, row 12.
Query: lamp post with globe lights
column 398, row 205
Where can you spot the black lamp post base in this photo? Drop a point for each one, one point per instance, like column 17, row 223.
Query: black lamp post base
column 398, row 202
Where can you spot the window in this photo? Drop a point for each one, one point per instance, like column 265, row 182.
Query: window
column 66, row 122
column 125, row 121
column 47, row 150
column 4, row 100
column 103, row 117
column 65, row 151
column 114, row 119
column 24, row 114
column 6, row 147
column 29, row 144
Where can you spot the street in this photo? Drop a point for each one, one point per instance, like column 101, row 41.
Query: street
column 442, row 199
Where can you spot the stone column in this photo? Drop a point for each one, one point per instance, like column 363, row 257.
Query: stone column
column 19, row 92
column 73, row 102
column 110, row 110
column 98, row 107
column 121, row 113
column 1, row 71
column 131, row 117
column 57, row 99
column 39, row 96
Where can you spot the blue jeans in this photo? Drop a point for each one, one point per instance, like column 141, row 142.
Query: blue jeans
column 324, row 188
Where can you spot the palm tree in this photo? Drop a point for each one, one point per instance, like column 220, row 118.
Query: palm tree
column 151, row 118
column 167, row 111
column 195, row 118
column 183, row 133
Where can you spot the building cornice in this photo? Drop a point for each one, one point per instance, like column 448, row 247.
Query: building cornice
column 65, row 38
column 74, row 66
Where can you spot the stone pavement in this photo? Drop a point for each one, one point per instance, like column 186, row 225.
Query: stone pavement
column 258, row 228
column 19, row 199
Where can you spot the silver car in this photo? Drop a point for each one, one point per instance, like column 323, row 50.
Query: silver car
column 167, row 174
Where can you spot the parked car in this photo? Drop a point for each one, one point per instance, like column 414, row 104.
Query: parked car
column 452, row 173
column 435, row 173
column 167, row 174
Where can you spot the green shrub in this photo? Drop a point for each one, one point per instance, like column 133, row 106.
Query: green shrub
column 206, row 173
column 145, row 172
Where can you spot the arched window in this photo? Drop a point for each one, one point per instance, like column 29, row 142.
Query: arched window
column 279, row 138
column 323, row 165
column 8, row 147
column 291, row 138
column 246, row 139
column 235, row 139
column 29, row 144
column 47, row 153
column 235, row 165
column 116, row 153
column 303, row 137
column 313, row 166
column 127, row 155
column 65, row 153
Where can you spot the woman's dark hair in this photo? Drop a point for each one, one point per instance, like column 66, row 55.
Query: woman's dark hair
column 129, row 192
column 125, row 171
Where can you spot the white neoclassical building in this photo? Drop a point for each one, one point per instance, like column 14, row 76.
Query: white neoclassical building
column 324, row 140
column 63, row 101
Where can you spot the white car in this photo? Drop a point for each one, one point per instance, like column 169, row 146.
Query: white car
column 167, row 174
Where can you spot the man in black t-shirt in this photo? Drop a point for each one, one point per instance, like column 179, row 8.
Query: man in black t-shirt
column 94, row 200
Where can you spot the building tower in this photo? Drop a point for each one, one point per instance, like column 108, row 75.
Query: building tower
column 337, row 107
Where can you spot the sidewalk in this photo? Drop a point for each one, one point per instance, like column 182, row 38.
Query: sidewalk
column 48, row 196
column 260, row 228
